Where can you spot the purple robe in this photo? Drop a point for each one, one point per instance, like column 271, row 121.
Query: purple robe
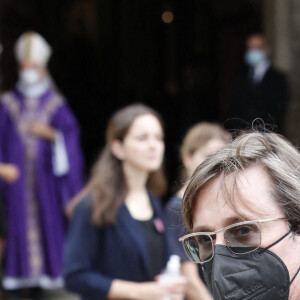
column 35, row 203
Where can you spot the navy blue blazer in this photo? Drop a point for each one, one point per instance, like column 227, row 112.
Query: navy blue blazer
column 175, row 225
column 94, row 256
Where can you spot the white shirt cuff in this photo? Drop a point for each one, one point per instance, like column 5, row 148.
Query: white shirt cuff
column 60, row 159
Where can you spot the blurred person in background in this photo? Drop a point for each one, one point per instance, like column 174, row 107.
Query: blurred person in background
column 259, row 92
column 40, row 136
column 242, row 213
column 117, row 243
column 200, row 141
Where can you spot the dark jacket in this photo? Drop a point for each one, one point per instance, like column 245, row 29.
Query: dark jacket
column 94, row 256
column 266, row 100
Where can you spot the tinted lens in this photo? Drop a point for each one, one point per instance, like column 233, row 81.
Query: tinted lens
column 243, row 238
column 198, row 248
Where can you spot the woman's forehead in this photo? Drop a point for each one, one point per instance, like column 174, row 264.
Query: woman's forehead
column 145, row 122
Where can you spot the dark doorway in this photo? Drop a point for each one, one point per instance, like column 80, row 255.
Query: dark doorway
column 110, row 53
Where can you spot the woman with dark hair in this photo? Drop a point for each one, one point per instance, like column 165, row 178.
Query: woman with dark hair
column 117, row 242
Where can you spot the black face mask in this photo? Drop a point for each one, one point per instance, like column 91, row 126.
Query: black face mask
column 259, row 275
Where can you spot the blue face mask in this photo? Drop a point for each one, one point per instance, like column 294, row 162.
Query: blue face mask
column 254, row 56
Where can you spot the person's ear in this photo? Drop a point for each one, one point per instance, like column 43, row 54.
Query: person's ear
column 187, row 160
column 116, row 147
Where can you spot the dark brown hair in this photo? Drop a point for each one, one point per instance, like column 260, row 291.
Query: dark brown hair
column 107, row 184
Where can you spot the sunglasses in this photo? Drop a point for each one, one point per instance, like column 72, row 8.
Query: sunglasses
column 240, row 238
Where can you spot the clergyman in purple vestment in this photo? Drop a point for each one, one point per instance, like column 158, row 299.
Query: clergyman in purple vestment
column 40, row 135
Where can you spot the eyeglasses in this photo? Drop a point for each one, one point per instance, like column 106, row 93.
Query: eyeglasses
column 240, row 238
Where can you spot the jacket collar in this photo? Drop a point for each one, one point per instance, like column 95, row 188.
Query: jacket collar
column 135, row 233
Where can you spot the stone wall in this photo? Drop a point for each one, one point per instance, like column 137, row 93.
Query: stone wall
column 282, row 27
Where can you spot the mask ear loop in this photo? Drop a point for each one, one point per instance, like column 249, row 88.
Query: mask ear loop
column 295, row 276
column 279, row 240
column 296, row 272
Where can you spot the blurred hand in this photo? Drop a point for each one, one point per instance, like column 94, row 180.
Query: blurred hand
column 70, row 207
column 176, row 289
column 154, row 290
column 157, row 290
column 41, row 130
column 9, row 172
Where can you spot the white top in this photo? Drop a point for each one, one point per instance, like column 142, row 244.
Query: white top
column 260, row 70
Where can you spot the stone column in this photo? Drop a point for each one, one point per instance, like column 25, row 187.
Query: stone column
column 282, row 28
column 278, row 28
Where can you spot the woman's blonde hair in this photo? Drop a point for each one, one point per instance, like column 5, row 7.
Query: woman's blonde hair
column 200, row 134
column 279, row 158
column 198, row 137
